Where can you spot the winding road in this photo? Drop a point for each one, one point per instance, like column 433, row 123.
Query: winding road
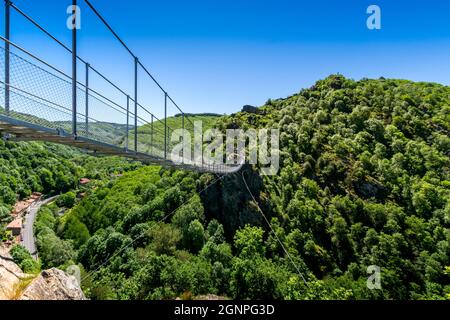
column 28, row 240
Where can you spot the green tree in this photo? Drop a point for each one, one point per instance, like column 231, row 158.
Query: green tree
column 249, row 242
column 164, row 238
column 75, row 230
column 67, row 200
column 53, row 251
column 195, row 236
column 24, row 259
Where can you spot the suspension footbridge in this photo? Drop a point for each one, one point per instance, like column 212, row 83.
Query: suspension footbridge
column 41, row 102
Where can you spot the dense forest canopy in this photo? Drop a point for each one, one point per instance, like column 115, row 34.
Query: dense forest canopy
column 363, row 180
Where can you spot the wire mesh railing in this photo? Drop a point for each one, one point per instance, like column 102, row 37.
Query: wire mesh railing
column 42, row 97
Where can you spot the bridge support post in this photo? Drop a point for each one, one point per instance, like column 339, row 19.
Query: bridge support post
column 184, row 136
column 151, row 137
column 128, row 124
column 136, row 62
column 87, row 99
column 74, row 68
column 7, row 54
column 165, row 126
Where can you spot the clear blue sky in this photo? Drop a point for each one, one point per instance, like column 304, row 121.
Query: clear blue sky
column 217, row 55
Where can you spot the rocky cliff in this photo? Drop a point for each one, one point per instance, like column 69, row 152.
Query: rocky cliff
column 10, row 275
column 52, row 284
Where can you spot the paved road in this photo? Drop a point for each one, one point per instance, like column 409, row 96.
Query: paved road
column 28, row 240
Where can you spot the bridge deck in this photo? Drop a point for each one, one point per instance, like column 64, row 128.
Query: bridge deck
column 25, row 131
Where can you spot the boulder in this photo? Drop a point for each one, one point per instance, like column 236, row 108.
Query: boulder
column 250, row 109
column 53, row 284
column 10, row 274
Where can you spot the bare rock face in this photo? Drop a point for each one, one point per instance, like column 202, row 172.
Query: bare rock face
column 53, row 284
column 10, row 274
column 250, row 109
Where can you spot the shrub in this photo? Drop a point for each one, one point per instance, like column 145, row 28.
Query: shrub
column 24, row 259
column 67, row 200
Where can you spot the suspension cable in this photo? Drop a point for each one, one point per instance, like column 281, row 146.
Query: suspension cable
column 271, row 228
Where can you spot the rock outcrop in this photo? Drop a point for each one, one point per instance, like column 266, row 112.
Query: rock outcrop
column 10, row 275
column 53, row 284
column 250, row 109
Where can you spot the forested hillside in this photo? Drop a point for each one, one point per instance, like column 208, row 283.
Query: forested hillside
column 364, row 180
column 27, row 167
column 31, row 167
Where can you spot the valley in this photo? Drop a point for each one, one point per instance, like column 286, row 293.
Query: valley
column 364, row 180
